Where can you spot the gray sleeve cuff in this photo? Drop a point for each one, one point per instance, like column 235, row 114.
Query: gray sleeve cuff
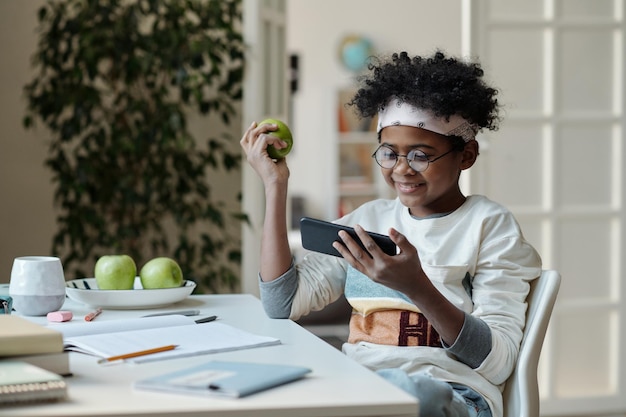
column 277, row 295
column 473, row 343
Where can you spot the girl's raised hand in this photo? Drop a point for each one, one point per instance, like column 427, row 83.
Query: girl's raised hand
column 254, row 143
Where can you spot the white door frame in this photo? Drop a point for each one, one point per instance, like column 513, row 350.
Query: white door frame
column 265, row 95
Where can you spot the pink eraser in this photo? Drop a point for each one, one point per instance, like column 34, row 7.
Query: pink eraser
column 62, row 315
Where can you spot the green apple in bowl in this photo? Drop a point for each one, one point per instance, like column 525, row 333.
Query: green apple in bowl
column 283, row 133
column 115, row 272
column 161, row 272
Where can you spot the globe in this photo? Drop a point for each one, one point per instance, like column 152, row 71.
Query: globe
column 354, row 52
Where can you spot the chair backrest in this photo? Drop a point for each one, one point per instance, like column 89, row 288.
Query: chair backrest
column 521, row 393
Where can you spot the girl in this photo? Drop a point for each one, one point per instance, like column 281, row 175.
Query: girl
column 443, row 318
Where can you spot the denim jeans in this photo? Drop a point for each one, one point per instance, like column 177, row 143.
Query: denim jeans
column 438, row 398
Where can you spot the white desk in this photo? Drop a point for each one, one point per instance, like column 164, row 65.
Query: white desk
column 337, row 386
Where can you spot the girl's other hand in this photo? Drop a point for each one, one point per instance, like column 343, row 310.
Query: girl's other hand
column 402, row 272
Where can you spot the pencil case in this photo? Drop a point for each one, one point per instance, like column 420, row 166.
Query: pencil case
column 6, row 304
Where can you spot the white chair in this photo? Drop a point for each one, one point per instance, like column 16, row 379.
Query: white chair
column 521, row 393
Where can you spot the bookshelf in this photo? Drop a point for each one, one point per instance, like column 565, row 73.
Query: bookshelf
column 358, row 177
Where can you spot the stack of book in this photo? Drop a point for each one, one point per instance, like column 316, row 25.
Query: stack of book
column 23, row 340
column 32, row 362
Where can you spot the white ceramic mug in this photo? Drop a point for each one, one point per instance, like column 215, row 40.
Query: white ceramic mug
column 37, row 285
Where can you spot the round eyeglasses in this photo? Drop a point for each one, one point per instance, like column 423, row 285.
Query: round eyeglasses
column 418, row 161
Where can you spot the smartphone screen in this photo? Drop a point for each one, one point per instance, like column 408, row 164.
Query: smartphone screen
column 318, row 235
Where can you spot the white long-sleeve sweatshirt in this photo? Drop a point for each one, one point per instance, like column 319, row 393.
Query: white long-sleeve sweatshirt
column 479, row 244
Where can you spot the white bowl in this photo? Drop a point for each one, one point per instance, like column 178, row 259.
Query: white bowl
column 86, row 291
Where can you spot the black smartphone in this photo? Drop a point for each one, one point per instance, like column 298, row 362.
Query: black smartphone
column 318, row 235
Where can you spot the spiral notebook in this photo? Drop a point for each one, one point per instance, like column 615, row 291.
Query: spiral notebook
column 21, row 382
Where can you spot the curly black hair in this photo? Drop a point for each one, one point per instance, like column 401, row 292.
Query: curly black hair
column 443, row 85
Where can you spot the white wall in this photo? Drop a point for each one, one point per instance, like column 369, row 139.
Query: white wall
column 315, row 29
column 26, row 215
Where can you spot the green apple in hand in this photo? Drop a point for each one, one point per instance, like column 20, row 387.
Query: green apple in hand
column 283, row 133
column 161, row 273
column 115, row 272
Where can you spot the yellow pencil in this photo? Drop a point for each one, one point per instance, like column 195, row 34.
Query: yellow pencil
column 140, row 353
column 93, row 314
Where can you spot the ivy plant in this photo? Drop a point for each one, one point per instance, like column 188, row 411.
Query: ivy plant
column 115, row 84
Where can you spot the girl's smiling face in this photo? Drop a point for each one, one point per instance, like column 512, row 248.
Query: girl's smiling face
column 436, row 189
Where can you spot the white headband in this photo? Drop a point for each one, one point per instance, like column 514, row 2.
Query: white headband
column 399, row 113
